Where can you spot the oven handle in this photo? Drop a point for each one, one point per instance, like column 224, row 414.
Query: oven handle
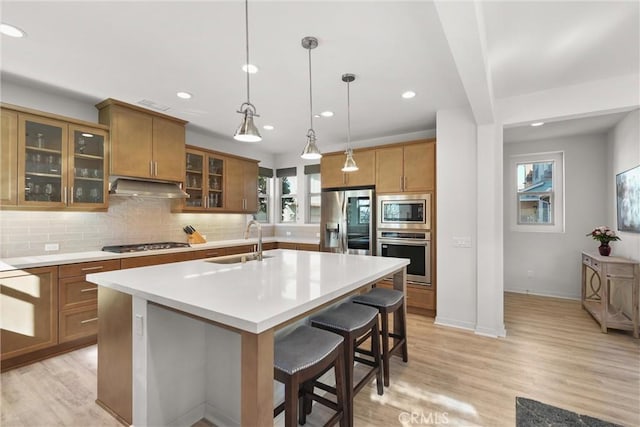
column 410, row 242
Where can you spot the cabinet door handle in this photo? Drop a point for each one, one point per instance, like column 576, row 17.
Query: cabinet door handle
column 404, row 185
column 65, row 195
column 99, row 267
column 401, row 183
column 155, row 166
column 89, row 320
column 89, row 289
column 150, row 168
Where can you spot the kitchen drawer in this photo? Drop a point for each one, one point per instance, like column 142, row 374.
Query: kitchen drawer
column 270, row 245
column 78, row 323
column 243, row 249
column 307, row 247
column 420, row 297
column 208, row 253
column 285, row 245
column 76, row 292
column 70, row 270
column 143, row 261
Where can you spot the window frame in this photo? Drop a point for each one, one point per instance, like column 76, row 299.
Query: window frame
column 311, row 194
column 267, row 198
column 281, row 196
column 557, row 195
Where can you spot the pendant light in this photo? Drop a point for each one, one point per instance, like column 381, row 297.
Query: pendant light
column 247, row 131
column 349, row 163
column 310, row 149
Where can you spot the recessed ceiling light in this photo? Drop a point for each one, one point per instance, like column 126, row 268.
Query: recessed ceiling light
column 408, row 94
column 249, row 68
column 327, row 114
column 184, row 95
column 11, row 31
column 537, row 124
column 87, row 135
column 317, row 116
column 267, row 127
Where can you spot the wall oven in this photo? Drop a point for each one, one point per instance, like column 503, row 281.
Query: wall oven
column 404, row 211
column 415, row 245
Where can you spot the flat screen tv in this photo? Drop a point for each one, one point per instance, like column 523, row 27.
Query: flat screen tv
column 628, row 200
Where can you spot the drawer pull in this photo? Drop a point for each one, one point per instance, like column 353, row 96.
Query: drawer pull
column 212, row 253
column 89, row 290
column 100, row 267
column 89, row 320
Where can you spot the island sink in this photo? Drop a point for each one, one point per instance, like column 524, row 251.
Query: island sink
column 237, row 259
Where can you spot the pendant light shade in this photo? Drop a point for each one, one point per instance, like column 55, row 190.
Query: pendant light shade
column 349, row 163
column 247, row 131
column 311, row 150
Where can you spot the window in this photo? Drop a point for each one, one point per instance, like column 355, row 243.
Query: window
column 537, row 187
column 288, row 190
column 312, row 173
column 265, row 178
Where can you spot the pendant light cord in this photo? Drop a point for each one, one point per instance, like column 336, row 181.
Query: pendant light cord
column 310, row 94
column 246, row 34
column 348, row 116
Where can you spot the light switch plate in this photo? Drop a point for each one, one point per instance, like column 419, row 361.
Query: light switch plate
column 462, row 242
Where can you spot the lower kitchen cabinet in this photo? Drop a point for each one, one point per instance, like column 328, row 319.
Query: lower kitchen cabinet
column 29, row 305
column 78, row 299
column 143, row 261
column 420, row 299
column 208, row 253
column 299, row 246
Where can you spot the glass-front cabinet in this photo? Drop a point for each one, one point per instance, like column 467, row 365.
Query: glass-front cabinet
column 204, row 181
column 60, row 164
column 194, row 180
column 215, row 174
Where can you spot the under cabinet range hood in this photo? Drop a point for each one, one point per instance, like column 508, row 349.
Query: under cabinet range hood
column 152, row 189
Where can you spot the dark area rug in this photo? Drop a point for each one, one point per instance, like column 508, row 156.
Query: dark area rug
column 530, row 413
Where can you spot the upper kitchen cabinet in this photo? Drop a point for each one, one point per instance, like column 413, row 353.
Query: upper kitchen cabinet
column 52, row 162
column 241, row 185
column 218, row 182
column 408, row 167
column 333, row 177
column 9, row 158
column 144, row 144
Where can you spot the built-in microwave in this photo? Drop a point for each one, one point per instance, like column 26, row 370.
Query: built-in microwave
column 404, row 211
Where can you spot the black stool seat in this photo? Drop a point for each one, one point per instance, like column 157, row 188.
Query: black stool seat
column 352, row 321
column 379, row 297
column 302, row 356
column 388, row 301
column 303, row 347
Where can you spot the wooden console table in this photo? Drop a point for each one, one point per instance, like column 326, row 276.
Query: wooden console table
column 596, row 290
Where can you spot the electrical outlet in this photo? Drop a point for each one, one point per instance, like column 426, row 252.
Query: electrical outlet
column 288, row 233
column 462, row 242
column 51, row 247
column 317, row 234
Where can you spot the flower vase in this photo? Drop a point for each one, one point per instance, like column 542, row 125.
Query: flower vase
column 604, row 249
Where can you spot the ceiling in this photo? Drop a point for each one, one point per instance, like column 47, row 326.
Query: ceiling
column 134, row 51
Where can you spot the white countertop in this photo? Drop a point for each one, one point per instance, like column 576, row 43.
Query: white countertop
column 74, row 257
column 253, row 296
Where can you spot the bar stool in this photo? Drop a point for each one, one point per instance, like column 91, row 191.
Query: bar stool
column 388, row 301
column 352, row 321
column 303, row 355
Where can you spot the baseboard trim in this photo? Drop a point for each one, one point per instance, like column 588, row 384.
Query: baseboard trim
column 191, row 417
column 541, row 294
column 453, row 323
column 213, row 414
column 491, row 332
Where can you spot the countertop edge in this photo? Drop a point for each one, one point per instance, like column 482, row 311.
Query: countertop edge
column 89, row 256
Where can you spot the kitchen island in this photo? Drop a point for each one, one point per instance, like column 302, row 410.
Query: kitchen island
column 190, row 340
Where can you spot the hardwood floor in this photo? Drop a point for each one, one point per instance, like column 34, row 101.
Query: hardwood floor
column 554, row 353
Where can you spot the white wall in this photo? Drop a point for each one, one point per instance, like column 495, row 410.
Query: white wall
column 456, row 217
column 554, row 258
column 623, row 154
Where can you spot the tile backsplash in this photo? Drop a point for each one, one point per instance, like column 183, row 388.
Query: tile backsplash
column 129, row 220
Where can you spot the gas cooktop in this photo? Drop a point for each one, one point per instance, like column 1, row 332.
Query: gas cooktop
column 139, row 247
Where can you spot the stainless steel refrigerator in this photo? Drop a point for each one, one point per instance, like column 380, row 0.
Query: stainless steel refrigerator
column 347, row 221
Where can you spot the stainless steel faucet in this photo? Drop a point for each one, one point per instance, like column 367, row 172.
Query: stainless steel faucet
column 246, row 235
